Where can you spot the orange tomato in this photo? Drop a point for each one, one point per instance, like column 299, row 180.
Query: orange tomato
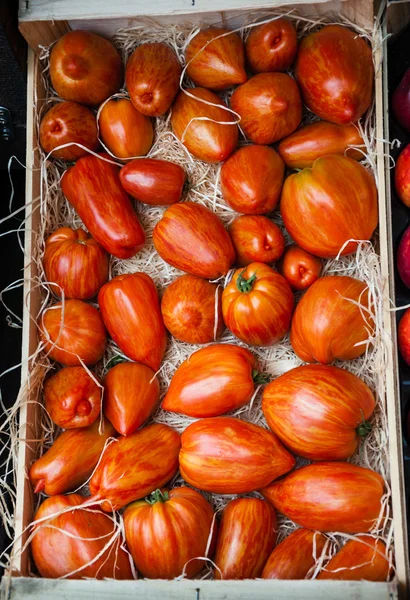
column 295, row 556
column 134, row 466
column 192, row 310
column 299, row 268
column 256, row 239
column 363, row 558
column 75, row 262
column 166, row 531
column 271, row 46
column 402, row 176
column 213, row 381
column 247, row 536
column 224, row 455
column 257, row 305
column 333, row 320
column 153, row 181
column 131, row 392
column 326, row 206
column 73, row 332
column 130, row 309
column 124, row 130
column 318, row 411
column 329, row 496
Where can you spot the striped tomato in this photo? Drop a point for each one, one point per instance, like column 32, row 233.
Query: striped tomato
column 295, row 556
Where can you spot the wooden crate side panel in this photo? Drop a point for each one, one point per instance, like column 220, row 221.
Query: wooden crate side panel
column 42, row 33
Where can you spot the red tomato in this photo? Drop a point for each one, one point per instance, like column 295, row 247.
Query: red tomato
column 403, row 258
column 152, row 77
column 403, row 336
column 219, row 64
column 333, row 320
column 72, row 398
column 209, row 133
column 93, row 188
column 69, row 542
column 318, row 411
column 334, row 69
column 271, row 46
column 402, row 176
column 166, row 531
column 299, row 268
column 224, row 455
column 257, row 305
column 85, row 68
column 338, row 198
column 329, row 496
column 252, row 180
column 130, row 309
column 153, row 181
column 73, row 332
column 71, row 459
column 247, row 536
column 256, row 239
column 305, row 145
column 65, row 123
column 192, row 310
column 213, row 381
column 131, row 392
column 269, row 105
column 363, row 558
column 75, row 262
column 295, row 557
column 124, row 130
column 193, row 239
column 134, row 466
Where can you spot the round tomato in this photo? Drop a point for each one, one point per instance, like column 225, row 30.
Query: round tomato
column 271, row 46
column 299, row 268
column 167, row 530
column 257, row 305
column 73, row 332
column 192, row 310
column 256, row 239
column 75, row 262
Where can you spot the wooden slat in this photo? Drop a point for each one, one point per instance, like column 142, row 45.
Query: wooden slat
column 398, row 16
column 42, row 33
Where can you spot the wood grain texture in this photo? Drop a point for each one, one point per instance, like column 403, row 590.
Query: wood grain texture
column 42, row 33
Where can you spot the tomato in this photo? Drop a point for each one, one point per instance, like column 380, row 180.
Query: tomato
column 124, row 130
column 256, row 239
column 192, row 310
column 402, row 176
column 153, row 181
column 213, row 381
column 299, row 268
column 247, row 536
column 208, row 132
column 257, row 305
column 75, row 262
column 218, row 64
column 338, row 198
column 65, row 123
column 166, row 531
column 65, row 545
column 403, row 336
column 131, row 392
column 93, row 188
column 193, row 239
column 269, row 105
column 329, row 496
column 305, row 145
column 224, row 455
column 72, row 332
column 71, row 459
column 334, row 70
column 72, row 398
column 134, row 466
column 333, row 320
column 271, row 46
column 130, row 309
column 295, row 557
column 363, row 558
column 318, row 411
column 403, row 258
column 252, row 179
column 152, row 77
column 85, row 68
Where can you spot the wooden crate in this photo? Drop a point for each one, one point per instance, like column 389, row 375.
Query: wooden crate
column 42, row 22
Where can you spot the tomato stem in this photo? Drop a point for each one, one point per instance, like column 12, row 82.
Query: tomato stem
column 115, row 360
column 260, row 378
column 245, row 285
column 157, row 496
column 364, row 428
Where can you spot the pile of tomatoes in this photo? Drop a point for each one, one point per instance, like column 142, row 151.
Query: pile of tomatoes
column 316, row 411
